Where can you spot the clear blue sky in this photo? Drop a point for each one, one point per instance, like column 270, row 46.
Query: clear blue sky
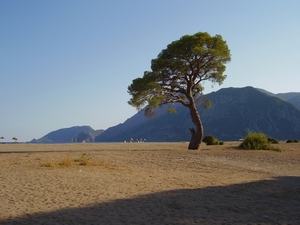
column 67, row 62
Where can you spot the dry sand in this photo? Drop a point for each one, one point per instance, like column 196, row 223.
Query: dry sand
column 149, row 183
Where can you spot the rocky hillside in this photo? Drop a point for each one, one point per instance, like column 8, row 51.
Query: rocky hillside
column 235, row 111
column 291, row 97
column 72, row 134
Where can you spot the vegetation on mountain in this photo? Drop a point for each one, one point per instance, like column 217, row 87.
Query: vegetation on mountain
column 233, row 113
column 177, row 75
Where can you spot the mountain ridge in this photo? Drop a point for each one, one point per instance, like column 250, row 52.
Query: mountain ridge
column 234, row 111
column 66, row 135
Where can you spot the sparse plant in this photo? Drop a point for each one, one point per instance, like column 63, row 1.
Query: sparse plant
column 84, row 160
column 277, row 149
column 255, row 141
column 66, row 162
column 50, row 164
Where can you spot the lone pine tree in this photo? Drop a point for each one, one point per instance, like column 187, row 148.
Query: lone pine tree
column 177, row 75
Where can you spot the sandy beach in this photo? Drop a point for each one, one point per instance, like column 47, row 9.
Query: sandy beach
column 148, row 183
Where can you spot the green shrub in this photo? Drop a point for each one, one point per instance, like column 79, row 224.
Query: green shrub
column 272, row 141
column 210, row 140
column 206, row 138
column 292, row 141
column 255, row 141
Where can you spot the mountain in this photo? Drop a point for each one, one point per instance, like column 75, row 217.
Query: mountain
column 87, row 137
column 131, row 128
column 66, row 135
column 234, row 112
column 291, row 97
column 237, row 110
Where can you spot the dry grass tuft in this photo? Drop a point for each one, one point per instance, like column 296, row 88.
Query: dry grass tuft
column 49, row 164
column 101, row 163
column 66, row 162
column 83, row 160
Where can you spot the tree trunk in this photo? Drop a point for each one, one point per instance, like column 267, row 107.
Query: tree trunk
column 197, row 135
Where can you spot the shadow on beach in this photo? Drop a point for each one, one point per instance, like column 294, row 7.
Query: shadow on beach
column 274, row 201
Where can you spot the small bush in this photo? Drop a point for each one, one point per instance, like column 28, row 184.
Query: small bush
column 292, row 141
column 84, row 160
column 255, row 141
column 49, row 164
column 211, row 140
column 67, row 162
column 272, row 141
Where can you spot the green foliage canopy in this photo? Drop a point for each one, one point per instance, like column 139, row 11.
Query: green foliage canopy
column 179, row 71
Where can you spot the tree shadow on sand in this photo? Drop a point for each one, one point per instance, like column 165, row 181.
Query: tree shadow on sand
column 274, row 201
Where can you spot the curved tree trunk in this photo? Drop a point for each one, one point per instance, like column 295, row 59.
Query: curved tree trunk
column 197, row 135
